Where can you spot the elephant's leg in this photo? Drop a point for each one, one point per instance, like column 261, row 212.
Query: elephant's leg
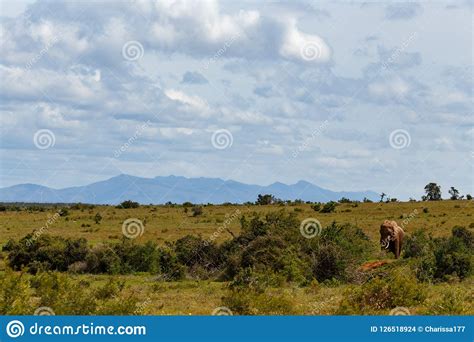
column 396, row 244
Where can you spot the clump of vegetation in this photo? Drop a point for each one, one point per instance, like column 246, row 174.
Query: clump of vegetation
column 97, row 218
column 440, row 259
column 128, row 205
column 329, row 207
column 21, row 293
column 382, row 293
column 452, row 301
column 265, row 199
column 197, row 211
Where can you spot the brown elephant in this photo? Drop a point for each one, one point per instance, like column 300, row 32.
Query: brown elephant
column 391, row 237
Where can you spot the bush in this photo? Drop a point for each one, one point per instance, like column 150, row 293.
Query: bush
column 417, row 245
column 45, row 253
column 266, row 302
column 128, row 205
column 197, row 253
column 14, row 294
column 446, row 257
column 329, row 207
column 197, row 211
column 338, row 251
column 453, row 301
column 265, row 199
column 399, row 288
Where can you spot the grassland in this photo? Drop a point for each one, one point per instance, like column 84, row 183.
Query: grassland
column 200, row 297
column 165, row 223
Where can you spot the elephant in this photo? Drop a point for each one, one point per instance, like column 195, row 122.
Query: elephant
column 391, row 237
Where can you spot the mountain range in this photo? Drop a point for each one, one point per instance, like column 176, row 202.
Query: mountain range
column 173, row 189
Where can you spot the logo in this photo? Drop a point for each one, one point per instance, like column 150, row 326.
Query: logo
column 44, row 311
column 222, row 139
column 132, row 50
column 310, row 228
column 133, row 228
column 311, row 51
column 399, row 139
column 400, row 311
column 15, row 329
column 222, row 311
column 44, row 139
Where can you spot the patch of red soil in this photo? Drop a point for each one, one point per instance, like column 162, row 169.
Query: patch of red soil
column 373, row 264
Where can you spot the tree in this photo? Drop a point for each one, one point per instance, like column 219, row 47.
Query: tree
column 468, row 197
column 382, row 196
column 128, row 205
column 433, row 192
column 454, row 193
column 265, row 199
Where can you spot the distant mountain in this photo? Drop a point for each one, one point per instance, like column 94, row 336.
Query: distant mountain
column 174, row 189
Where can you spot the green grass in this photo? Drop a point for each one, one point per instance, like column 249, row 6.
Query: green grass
column 171, row 223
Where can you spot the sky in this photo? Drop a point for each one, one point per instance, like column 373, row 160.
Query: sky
column 348, row 95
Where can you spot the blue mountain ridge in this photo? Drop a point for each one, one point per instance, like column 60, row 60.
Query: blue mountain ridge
column 174, row 189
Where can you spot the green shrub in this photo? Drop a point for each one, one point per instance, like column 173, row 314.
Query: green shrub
column 453, row 301
column 338, row 251
column 329, row 207
column 128, row 205
column 45, row 252
column 14, row 294
column 447, row 257
column 201, row 256
column 269, row 302
column 418, row 244
column 399, row 288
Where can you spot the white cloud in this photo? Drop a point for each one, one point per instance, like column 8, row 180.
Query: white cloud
column 302, row 46
column 191, row 103
column 394, row 87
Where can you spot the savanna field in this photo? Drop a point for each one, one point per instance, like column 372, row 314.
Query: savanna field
column 246, row 259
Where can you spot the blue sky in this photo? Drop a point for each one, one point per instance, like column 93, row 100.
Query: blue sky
column 346, row 95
